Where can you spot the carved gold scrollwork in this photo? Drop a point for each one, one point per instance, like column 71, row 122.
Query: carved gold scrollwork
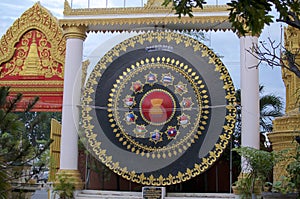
column 35, row 18
column 152, row 7
column 33, row 58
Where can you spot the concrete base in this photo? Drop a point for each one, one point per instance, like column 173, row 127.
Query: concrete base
column 72, row 175
column 96, row 194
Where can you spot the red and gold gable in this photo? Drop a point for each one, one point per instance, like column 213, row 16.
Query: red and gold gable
column 32, row 56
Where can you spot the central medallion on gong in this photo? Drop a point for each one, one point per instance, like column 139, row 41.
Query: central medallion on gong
column 157, row 107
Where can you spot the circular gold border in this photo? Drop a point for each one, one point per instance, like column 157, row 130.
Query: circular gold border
column 190, row 75
column 206, row 162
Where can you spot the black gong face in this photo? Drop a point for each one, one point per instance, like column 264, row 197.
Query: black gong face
column 158, row 108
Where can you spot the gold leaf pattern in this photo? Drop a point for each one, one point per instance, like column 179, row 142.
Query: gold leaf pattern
column 206, row 161
column 37, row 17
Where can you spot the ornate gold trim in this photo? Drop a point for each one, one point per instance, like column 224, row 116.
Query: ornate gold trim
column 75, row 32
column 85, row 65
column 207, row 161
column 33, row 83
column 292, row 39
column 36, row 17
column 148, row 9
column 281, row 141
column 30, row 89
column 291, row 81
column 146, row 21
column 148, row 16
column 288, row 123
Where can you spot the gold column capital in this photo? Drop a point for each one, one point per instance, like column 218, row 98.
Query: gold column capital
column 247, row 34
column 74, row 32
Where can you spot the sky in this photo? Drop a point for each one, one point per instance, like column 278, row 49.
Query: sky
column 226, row 44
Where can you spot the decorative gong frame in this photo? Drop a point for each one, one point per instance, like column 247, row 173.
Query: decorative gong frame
column 77, row 22
column 195, row 131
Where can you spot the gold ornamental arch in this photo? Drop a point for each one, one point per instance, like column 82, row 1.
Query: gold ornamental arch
column 32, row 55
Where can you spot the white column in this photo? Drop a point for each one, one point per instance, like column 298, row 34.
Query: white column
column 71, row 101
column 249, row 93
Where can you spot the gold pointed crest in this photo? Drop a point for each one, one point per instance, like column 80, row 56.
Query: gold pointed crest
column 39, row 18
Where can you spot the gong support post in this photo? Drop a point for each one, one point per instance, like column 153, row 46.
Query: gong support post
column 70, row 112
column 249, row 93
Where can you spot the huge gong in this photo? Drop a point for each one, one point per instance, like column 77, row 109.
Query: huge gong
column 158, row 108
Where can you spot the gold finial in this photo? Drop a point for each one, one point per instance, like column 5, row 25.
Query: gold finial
column 67, row 8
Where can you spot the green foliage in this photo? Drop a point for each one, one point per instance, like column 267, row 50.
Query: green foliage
column 65, row 187
column 37, row 125
column 293, row 168
column 4, row 185
column 291, row 182
column 16, row 148
column 270, row 106
column 12, row 143
column 44, row 160
column 184, row 7
column 284, row 185
column 244, row 187
column 259, row 165
column 250, row 15
column 247, row 16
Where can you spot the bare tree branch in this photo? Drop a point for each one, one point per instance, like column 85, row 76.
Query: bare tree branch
column 268, row 53
column 292, row 20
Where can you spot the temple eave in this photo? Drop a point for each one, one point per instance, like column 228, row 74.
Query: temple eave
column 145, row 23
column 68, row 11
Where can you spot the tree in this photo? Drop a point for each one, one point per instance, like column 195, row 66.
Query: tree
column 250, row 16
column 37, row 125
column 247, row 16
column 266, row 53
column 270, row 106
column 255, row 14
column 4, row 185
column 15, row 146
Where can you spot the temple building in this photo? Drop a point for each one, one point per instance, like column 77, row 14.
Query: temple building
column 152, row 106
